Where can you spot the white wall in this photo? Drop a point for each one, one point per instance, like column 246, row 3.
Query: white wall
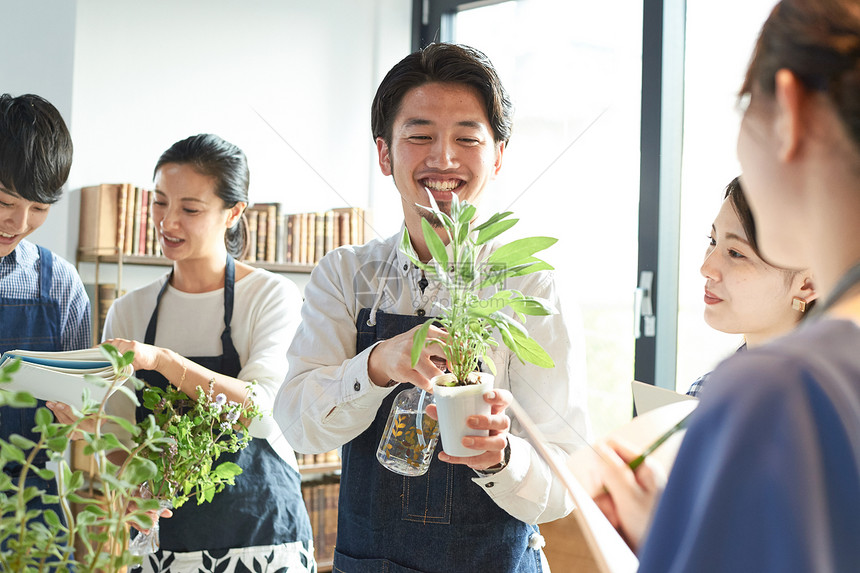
column 146, row 74
column 38, row 44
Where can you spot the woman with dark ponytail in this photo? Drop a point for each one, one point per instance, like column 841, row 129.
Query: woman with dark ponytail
column 217, row 323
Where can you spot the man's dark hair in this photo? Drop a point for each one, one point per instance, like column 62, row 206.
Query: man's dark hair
column 447, row 63
column 35, row 148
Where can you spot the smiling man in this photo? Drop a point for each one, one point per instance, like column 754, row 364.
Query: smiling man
column 43, row 305
column 441, row 120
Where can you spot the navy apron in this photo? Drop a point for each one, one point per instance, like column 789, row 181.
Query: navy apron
column 441, row 522
column 31, row 324
column 265, row 505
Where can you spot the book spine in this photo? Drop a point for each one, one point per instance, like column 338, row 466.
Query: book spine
column 319, row 237
column 344, row 229
column 272, row 235
column 262, row 233
column 144, row 211
column 280, row 239
column 289, row 249
column 329, row 232
column 129, row 220
column 122, row 205
column 98, row 217
column 150, row 227
column 312, row 237
column 353, row 227
column 303, row 237
column 135, row 221
column 251, row 255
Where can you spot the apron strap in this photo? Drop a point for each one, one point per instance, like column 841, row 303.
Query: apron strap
column 46, row 272
column 228, row 350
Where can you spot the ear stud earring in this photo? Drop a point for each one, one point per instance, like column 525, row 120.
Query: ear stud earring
column 798, row 304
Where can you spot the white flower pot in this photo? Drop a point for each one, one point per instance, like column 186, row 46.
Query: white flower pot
column 454, row 405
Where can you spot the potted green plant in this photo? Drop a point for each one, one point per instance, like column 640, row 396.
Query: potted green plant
column 96, row 536
column 473, row 316
column 196, row 431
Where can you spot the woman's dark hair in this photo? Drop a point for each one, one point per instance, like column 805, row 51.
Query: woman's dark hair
column 735, row 194
column 819, row 41
column 35, row 148
column 449, row 63
column 211, row 156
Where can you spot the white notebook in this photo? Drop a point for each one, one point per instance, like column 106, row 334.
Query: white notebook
column 63, row 376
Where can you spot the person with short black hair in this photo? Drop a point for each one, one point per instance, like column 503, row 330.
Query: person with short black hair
column 43, row 305
column 441, row 120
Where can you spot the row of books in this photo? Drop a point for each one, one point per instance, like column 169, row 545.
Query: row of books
column 320, row 498
column 117, row 218
column 308, row 460
column 301, row 238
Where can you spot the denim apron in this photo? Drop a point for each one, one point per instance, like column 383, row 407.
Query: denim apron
column 30, row 324
column 441, row 522
column 265, row 505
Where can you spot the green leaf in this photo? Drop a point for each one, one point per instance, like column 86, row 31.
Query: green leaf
column 418, row 340
column 434, row 243
column 20, row 399
column 44, row 417
column 490, row 364
column 131, row 394
column 515, row 252
column 22, row 442
column 492, row 231
column 12, row 453
column 58, row 444
column 51, row 518
column 483, row 308
column 528, row 350
column 227, row 470
column 140, row 469
column 43, row 473
column 532, row 306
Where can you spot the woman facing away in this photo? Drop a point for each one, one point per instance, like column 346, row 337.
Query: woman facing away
column 768, row 476
column 744, row 294
column 213, row 320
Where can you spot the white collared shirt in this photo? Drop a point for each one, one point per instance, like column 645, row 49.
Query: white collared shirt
column 328, row 399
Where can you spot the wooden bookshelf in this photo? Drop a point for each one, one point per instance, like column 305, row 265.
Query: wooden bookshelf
column 150, row 260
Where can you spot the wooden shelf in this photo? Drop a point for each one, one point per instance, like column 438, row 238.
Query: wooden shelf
column 150, row 260
column 327, row 468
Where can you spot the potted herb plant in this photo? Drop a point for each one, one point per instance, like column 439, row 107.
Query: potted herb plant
column 474, row 276
column 96, row 536
column 197, row 431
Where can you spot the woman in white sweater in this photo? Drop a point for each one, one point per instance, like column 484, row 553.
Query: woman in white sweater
column 213, row 320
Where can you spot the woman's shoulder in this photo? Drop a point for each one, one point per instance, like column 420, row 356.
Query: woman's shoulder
column 141, row 295
column 817, row 357
column 261, row 282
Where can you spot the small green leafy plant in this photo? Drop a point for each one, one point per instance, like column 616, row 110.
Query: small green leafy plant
column 106, row 498
column 469, row 319
column 198, row 431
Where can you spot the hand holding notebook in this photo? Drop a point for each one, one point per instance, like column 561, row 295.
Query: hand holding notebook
column 63, row 376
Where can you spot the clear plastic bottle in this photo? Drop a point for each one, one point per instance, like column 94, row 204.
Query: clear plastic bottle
column 410, row 436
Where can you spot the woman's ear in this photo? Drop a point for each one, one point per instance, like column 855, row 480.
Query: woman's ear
column 807, row 289
column 235, row 213
column 791, row 100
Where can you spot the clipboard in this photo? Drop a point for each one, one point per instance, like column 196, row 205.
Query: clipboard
column 647, row 397
column 610, row 552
